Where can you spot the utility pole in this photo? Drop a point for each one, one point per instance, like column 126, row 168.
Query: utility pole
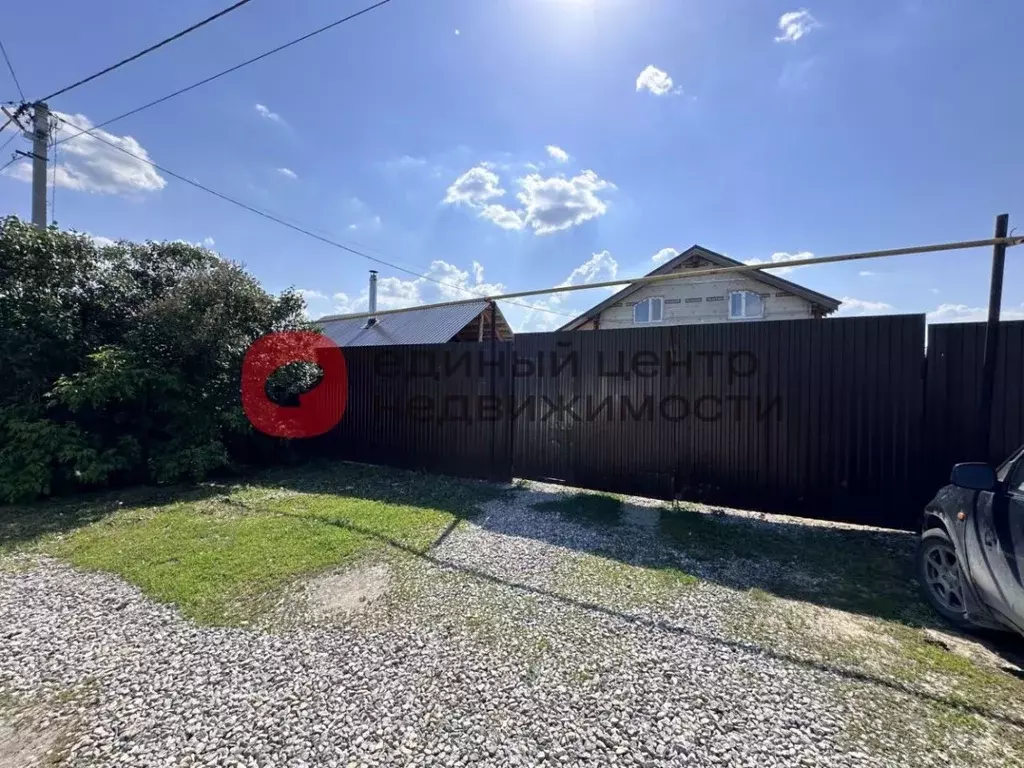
column 40, row 141
column 988, row 368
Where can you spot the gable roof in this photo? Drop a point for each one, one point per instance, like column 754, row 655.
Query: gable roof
column 827, row 303
column 427, row 325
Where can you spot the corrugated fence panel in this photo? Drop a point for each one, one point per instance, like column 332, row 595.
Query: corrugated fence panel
column 956, row 354
column 825, row 418
column 821, row 418
column 434, row 407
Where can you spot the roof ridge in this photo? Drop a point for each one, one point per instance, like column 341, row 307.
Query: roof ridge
column 722, row 260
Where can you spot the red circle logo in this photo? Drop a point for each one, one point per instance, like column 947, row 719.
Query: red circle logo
column 320, row 409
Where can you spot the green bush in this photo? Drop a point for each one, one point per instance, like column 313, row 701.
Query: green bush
column 122, row 364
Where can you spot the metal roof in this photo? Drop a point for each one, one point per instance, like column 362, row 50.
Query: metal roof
column 430, row 325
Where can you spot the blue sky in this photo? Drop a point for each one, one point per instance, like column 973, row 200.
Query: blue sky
column 420, row 133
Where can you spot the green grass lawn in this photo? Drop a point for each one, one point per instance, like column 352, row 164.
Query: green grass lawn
column 215, row 551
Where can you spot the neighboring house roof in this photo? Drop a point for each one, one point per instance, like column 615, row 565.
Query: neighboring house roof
column 429, row 325
column 826, row 302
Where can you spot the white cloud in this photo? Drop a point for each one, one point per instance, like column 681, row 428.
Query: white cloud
column 558, row 154
column 288, row 173
column 405, row 162
column 87, row 164
column 782, row 258
column 655, row 80
column 795, row 25
column 542, row 313
column 935, row 290
column 858, row 307
column 598, row 268
column 101, row 242
column 209, row 242
column 664, row 255
column 363, row 215
column 549, row 204
column 503, row 217
column 554, row 203
column 475, row 187
column 373, row 222
column 272, row 116
column 317, row 302
column 867, row 273
column 457, row 33
column 398, row 293
column 961, row 313
column 458, row 284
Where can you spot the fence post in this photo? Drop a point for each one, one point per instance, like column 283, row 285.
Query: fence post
column 494, row 389
column 988, row 370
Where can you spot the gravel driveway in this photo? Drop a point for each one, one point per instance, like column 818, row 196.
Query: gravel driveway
column 496, row 649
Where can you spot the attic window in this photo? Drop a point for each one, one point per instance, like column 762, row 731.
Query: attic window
column 648, row 311
column 745, row 305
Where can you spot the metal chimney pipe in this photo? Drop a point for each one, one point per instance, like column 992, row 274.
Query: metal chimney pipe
column 373, row 298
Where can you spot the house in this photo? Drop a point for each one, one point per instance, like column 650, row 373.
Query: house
column 704, row 299
column 470, row 321
column 426, row 325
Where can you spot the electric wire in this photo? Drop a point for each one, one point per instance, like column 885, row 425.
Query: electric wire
column 302, row 230
column 11, row 68
column 142, row 53
column 229, row 70
column 10, row 138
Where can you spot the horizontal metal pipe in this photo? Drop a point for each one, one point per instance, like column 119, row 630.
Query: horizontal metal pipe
column 957, row 246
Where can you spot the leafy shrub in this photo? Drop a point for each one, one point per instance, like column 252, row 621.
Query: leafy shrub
column 122, row 364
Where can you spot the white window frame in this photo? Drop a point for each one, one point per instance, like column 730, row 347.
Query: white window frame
column 744, row 315
column 650, row 300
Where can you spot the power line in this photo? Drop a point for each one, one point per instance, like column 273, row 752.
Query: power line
column 11, row 67
column 235, row 68
column 11, row 138
column 9, row 163
column 140, row 54
column 295, row 227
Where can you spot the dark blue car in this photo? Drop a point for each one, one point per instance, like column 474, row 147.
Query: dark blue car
column 971, row 554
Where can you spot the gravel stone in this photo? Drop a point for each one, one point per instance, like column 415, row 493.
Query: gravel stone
column 480, row 654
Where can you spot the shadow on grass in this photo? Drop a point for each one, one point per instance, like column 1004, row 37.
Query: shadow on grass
column 870, row 572
column 23, row 524
column 865, row 571
column 455, row 496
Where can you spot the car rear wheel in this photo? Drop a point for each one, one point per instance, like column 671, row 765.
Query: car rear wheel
column 942, row 580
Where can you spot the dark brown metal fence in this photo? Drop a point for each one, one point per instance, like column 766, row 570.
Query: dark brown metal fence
column 820, row 418
column 834, row 419
column 428, row 407
column 955, row 354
